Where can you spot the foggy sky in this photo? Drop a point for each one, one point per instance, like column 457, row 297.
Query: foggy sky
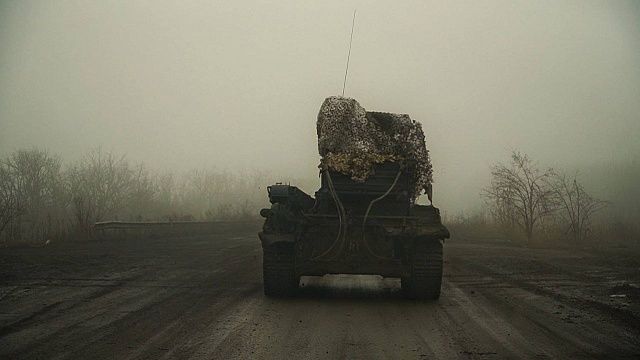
column 237, row 85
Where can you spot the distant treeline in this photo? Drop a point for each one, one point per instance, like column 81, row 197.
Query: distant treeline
column 43, row 198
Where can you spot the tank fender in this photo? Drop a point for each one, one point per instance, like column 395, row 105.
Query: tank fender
column 271, row 239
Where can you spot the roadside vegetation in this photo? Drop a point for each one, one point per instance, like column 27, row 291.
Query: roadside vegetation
column 44, row 199
column 533, row 205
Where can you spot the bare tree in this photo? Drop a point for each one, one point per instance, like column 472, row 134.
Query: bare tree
column 10, row 206
column 503, row 212
column 142, row 199
column 100, row 184
column 32, row 189
column 37, row 175
column 521, row 193
column 576, row 205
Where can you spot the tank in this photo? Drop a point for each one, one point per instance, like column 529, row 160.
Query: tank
column 367, row 226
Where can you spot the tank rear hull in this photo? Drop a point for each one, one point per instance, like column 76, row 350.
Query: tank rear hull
column 369, row 228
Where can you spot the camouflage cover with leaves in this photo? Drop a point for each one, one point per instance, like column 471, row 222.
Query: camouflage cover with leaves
column 351, row 141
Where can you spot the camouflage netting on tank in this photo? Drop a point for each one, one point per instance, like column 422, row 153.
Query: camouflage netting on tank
column 352, row 140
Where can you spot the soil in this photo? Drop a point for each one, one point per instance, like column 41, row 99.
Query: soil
column 201, row 297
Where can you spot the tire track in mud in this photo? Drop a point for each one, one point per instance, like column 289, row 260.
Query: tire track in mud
column 58, row 307
column 623, row 316
column 111, row 303
column 534, row 308
column 151, row 330
column 24, row 322
column 69, row 318
column 199, row 298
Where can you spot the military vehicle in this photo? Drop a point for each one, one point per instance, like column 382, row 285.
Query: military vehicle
column 372, row 226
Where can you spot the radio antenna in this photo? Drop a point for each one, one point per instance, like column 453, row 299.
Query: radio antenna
column 346, row 71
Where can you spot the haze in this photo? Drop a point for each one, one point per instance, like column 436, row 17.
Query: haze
column 237, row 85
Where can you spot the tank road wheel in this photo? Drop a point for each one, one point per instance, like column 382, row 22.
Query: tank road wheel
column 425, row 278
column 278, row 271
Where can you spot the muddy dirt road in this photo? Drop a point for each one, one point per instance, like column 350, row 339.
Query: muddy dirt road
column 201, row 297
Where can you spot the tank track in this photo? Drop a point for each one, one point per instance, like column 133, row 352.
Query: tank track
column 425, row 279
column 278, row 271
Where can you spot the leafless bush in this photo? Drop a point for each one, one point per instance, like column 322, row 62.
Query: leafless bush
column 576, row 206
column 520, row 194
